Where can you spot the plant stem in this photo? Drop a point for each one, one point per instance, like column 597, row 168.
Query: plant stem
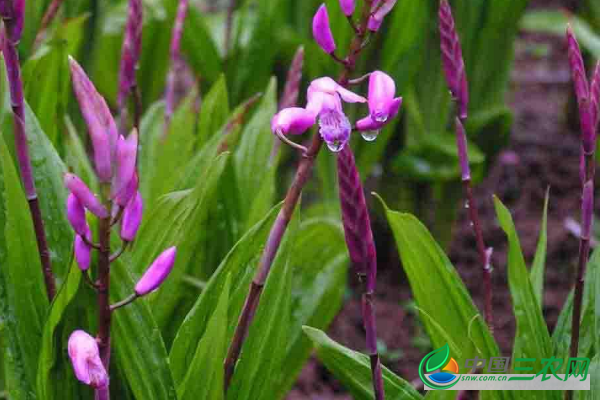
column 229, row 25
column 584, row 252
column 285, row 215
column 483, row 259
column 104, row 311
column 371, row 341
column 13, row 69
column 46, row 20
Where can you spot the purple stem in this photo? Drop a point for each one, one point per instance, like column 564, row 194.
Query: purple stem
column 104, row 311
column 47, row 19
column 175, row 59
column 285, row 215
column 13, row 69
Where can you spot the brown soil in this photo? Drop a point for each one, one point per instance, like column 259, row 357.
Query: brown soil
column 543, row 152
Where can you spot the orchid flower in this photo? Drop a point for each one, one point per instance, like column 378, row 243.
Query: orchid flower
column 383, row 106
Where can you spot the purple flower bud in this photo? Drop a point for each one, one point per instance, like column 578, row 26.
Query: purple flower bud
column 577, row 67
column 461, row 144
column 126, row 161
column 101, row 125
column 452, row 59
column 379, row 13
column 174, row 52
column 123, row 197
column 355, row 218
column 85, row 195
column 322, row 30
column 587, row 210
column 383, row 106
column 85, row 358
column 348, row 7
column 157, row 272
column 76, row 215
column 83, row 251
column 293, row 120
column 132, row 218
column 130, row 52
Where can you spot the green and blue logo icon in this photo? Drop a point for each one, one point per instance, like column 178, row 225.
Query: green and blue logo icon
column 442, row 367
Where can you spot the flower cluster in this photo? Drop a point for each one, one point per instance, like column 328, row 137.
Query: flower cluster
column 119, row 202
column 325, row 96
column 324, row 107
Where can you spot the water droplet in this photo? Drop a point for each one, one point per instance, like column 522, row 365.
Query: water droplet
column 335, row 146
column 370, row 136
column 471, row 224
column 467, row 204
column 380, row 118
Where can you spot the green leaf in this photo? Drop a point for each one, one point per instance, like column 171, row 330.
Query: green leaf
column 209, row 357
column 539, row 261
column 178, row 219
column 240, row 265
column 261, row 360
column 134, row 328
column 47, row 80
column 532, row 338
column 354, row 370
column 450, row 314
column 26, row 299
column 170, row 150
column 199, row 47
column 555, row 22
column 214, row 111
column 55, row 378
column 319, row 282
column 254, row 149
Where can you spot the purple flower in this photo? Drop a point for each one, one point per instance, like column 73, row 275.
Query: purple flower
column 379, row 13
column 125, row 195
column 132, row 218
column 126, row 161
column 85, row 357
column 322, row 30
column 347, row 7
column 577, row 67
column 383, row 106
column 293, row 120
column 157, row 272
column 452, row 59
column 76, row 215
column 100, row 123
column 83, row 250
column 325, row 101
column 130, row 52
column 85, row 195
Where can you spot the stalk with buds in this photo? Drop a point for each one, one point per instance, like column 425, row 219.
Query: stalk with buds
column 324, row 107
column 130, row 55
column 12, row 13
column 588, row 97
column 361, row 246
column 119, row 202
column 456, row 77
column 174, row 54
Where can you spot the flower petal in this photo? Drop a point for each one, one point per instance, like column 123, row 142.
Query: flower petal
column 293, row 120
